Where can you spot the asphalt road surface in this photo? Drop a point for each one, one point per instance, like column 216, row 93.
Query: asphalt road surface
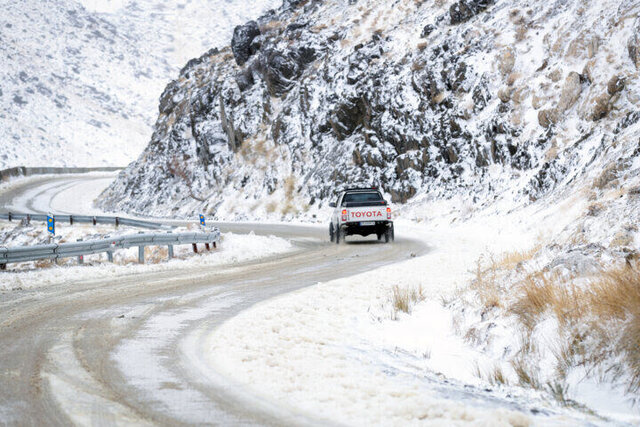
column 125, row 349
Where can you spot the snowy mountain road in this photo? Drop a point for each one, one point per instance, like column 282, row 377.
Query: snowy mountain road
column 132, row 348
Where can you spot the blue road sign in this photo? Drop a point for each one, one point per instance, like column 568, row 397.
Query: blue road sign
column 202, row 220
column 51, row 224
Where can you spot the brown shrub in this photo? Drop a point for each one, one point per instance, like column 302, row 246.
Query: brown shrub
column 405, row 298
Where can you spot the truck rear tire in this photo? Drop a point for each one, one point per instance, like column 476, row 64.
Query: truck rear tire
column 331, row 233
column 387, row 236
column 338, row 235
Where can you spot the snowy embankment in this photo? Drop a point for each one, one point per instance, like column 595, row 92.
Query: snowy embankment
column 233, row 249
column 346, row 350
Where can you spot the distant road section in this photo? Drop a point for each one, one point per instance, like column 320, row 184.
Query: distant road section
column 68, row 193
column 29, row 171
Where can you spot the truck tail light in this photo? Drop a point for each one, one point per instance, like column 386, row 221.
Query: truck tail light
column 388, row 213
column 344, row 214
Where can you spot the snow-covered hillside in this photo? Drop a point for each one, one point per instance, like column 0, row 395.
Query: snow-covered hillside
column 81, row 79
column 427, row 99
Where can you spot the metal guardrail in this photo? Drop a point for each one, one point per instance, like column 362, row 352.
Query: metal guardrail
column 87, row 219
column 28, row 171
column 107, row 245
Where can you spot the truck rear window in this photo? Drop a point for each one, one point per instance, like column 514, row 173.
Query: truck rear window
column 373, row 196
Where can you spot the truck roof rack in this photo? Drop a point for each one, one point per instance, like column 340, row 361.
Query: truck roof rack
column 360, row 189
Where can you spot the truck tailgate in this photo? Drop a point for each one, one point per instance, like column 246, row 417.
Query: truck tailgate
column 367, row 214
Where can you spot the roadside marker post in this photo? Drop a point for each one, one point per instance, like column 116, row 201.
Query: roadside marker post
column 51, row 226
column 203, row 226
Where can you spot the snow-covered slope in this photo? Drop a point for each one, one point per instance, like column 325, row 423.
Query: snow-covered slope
column 80, row 79
column 473, row 98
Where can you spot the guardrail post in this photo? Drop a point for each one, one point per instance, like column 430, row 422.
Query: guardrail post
column 195, row 248
column 110, row 256
column 3, row 266
column 141, row 254
column 117, row 222
column 94, row 220
column 80, row 257
column 9, row 216
column 214, row 245
column 170, row 251
column 28, row 219
column 206, row 245
column 70, row 219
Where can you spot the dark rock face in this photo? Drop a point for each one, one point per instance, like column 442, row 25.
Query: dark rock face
column 279, row 72
column 167, row 98
column 633, row 46
column 241, row 44
column 464, row 10
column 245, row 80
column 428, row 29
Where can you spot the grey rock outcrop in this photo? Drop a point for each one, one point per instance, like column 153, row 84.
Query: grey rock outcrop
column 241, row 44
column 633, row 45
column 464, row 10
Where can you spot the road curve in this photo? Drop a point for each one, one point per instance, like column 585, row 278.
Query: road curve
column 126, row 350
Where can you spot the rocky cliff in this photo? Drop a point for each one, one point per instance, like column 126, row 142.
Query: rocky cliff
column 480, row 99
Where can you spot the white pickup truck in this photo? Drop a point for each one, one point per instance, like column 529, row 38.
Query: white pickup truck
column 361, row 211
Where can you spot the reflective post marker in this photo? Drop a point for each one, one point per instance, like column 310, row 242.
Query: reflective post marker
column 51, row 225
column 202, row 222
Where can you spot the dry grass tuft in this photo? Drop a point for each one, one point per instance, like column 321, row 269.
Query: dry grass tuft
column 615, row 298
column 605, row 313
column 405, row 298
column 155, row 254
column 598, row 319
column 43, row 263
column 271, row 207
column 526, row 376
column 485, row 285
column 497, row 376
